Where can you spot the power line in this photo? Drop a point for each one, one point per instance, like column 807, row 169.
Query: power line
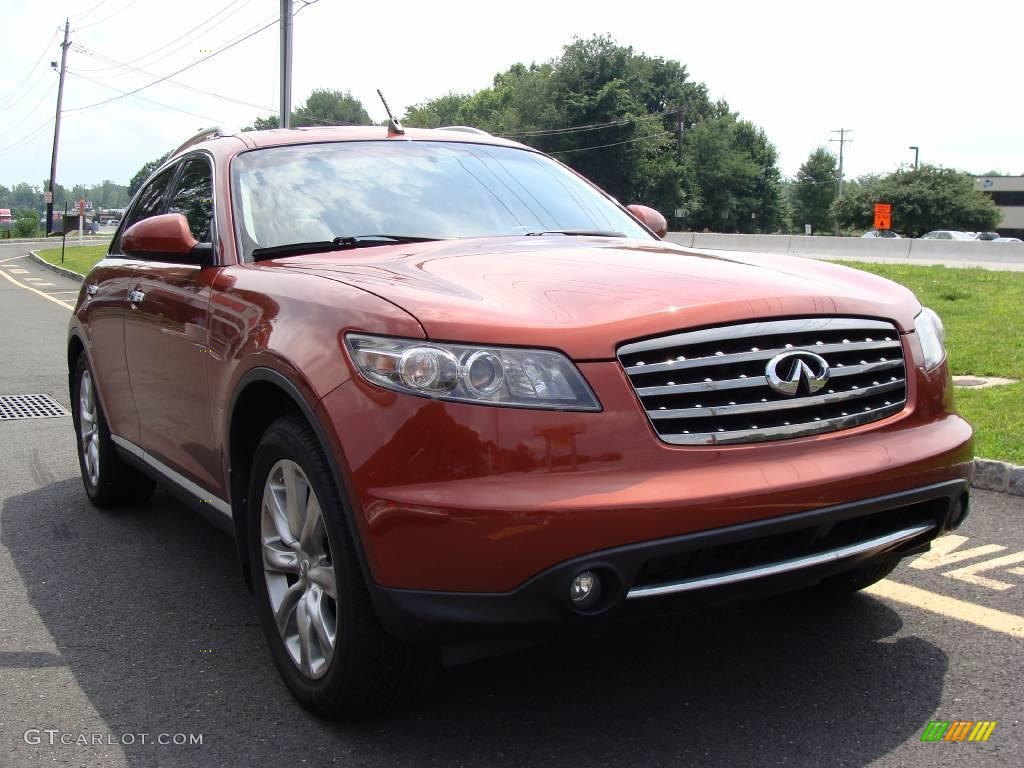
column 172, row 42
column 143, row 98
column 83, row 16
column 26, row 91
column 178, row 83
column 6, row 97
column 192, row 64
column 108, row 16
column 540, row 132
column 613, row 144
column 176, row 72
column 25, row 138
column 34, row 108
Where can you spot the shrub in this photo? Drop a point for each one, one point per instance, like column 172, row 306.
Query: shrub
column 26, row 224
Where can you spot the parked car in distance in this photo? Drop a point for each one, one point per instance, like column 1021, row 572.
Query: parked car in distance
column 887, row 234
column 946, row 234
column 986, row 236
column 442, row 389
column 1007, row 240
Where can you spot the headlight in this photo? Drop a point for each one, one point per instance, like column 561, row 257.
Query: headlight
column 932, row 336
column 528, row 378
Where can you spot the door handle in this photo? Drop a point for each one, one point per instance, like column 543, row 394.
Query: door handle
column 136, row 297
column 91, row 289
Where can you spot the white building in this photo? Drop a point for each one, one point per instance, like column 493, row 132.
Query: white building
column 1008, row 193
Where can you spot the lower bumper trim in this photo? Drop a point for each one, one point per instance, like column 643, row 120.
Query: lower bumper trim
column 786, row 566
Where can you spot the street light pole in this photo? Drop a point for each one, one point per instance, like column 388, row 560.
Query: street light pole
column 842, row 143
column 285, row 120
column 916, row 150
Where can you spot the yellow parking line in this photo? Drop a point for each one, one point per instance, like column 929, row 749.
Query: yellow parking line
column 46, row 296
column 989, row 618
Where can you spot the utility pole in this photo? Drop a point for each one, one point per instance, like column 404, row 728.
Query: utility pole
column 285, row 120
column 842, row 143
column 680, row 127
column 916, row 150
column 56, row 125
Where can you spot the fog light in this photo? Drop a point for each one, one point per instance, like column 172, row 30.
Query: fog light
column 585, row 590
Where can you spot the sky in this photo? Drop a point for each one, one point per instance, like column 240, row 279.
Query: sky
column 939, row 75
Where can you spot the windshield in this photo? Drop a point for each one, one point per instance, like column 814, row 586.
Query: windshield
column 426, row 189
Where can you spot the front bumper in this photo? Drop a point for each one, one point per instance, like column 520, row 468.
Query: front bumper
column 452, row 497
column 687, row 572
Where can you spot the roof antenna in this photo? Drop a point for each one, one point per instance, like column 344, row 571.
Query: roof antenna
column 394, row 126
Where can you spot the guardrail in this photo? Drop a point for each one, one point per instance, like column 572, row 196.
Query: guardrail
column 906, row 249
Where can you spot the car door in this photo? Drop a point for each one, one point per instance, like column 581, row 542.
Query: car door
column 105, row 309
column 167, row 336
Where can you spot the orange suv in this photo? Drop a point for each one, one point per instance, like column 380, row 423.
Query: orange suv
column 442, row 389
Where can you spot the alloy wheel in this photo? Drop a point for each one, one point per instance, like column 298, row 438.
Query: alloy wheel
column 88, row 428
column 299, row 569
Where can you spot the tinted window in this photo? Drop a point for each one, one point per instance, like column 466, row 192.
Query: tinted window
column 193, row 198
column 151, row 200
column 297, row 194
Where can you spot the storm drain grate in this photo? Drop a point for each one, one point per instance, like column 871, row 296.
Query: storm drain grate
column 29, row 407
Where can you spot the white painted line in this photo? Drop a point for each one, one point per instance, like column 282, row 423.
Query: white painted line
column 46, row 296
column 988, row 618
column 943, row 554
column 14, row 258
column 18, row 270
column 970, row 573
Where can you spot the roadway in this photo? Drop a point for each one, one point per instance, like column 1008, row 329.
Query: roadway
column 114, row 625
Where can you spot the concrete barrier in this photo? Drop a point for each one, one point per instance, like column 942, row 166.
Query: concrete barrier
column 854, row 248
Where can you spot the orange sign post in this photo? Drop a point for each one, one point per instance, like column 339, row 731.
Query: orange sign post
column 883, row 216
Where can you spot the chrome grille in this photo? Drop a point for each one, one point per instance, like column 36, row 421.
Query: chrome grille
column 709, row 387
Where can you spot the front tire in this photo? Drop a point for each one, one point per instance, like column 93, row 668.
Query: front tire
column 108, row 480
column 315, row 608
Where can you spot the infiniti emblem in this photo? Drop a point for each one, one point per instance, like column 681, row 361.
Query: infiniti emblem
column 785, row 372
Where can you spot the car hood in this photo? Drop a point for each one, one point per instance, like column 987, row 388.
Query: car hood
column 587, row 295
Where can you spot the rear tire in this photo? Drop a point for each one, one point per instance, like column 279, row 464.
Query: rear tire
column 314, row 605
column 859, row 578
column 108, row 480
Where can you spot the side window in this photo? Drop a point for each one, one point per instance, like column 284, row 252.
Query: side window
column 193, row 198
column 151, row 199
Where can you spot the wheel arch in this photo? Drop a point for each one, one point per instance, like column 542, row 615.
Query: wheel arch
column 261, row 396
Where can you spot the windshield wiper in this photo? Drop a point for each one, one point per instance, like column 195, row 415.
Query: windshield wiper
column 576, row 233
column 341, row 243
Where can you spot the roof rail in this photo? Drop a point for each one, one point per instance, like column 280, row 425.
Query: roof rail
column 463, row 129
column 203, row 135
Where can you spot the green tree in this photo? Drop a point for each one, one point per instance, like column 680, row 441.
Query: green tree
column 815, row 190
column 616, row 116
column 922, row 200
column 26, row 223
column 735, row 170
column 323, row 107
column 143, row 173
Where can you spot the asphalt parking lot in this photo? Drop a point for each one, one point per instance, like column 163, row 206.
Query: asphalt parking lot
column 115, row 625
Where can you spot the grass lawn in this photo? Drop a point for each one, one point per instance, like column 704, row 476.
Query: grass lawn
column 79, row 258
column 983, row 312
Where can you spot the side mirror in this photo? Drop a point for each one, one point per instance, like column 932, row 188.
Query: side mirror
column 165, row 238
column 651, row 218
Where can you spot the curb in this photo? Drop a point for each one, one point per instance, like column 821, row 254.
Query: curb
column 60, row 270
column 998, row 476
